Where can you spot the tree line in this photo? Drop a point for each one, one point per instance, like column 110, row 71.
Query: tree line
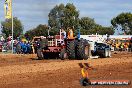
column 64, row 16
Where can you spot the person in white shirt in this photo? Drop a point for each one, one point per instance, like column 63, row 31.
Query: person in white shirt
column 63, row 33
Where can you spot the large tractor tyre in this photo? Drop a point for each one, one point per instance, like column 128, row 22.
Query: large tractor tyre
column 63, row 54
column 40, row 54
column 82, row 50
column 71, row 49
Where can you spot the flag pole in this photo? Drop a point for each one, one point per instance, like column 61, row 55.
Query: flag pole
column 12, row 26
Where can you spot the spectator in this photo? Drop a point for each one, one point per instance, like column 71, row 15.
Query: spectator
column 121, row 47
column 14, row 46
column 28, row 45
column 25, row 48
column 18, row 48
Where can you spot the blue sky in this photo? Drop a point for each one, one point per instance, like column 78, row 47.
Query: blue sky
column 35, row 12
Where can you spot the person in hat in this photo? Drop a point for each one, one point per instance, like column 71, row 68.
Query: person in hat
column 70, row 33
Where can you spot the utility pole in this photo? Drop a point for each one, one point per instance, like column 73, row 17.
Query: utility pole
column 12, row 27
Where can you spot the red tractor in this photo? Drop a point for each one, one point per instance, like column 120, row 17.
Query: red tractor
column 58, row 47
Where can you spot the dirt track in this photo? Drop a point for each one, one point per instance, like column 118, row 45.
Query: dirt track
column 23, row 71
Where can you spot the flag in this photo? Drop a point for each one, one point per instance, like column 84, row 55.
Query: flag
column 8, row 9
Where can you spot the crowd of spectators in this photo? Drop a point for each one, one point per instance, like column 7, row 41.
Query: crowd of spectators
column 19, row 46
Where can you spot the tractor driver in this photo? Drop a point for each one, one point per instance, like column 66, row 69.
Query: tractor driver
column 70, row 33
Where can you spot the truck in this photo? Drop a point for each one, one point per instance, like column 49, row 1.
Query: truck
column 98, row 47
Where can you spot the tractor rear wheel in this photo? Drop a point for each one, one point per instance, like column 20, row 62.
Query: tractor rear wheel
column 82, row 49
column 71, row 49
column 40, row 54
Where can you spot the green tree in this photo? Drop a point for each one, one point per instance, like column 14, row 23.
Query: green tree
column 67, row 16
column 7, row 27
column 63, row 16
column 106, row 30
column 40, row 30
column 123, row 21
column 87, row 23
column 94, row 28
